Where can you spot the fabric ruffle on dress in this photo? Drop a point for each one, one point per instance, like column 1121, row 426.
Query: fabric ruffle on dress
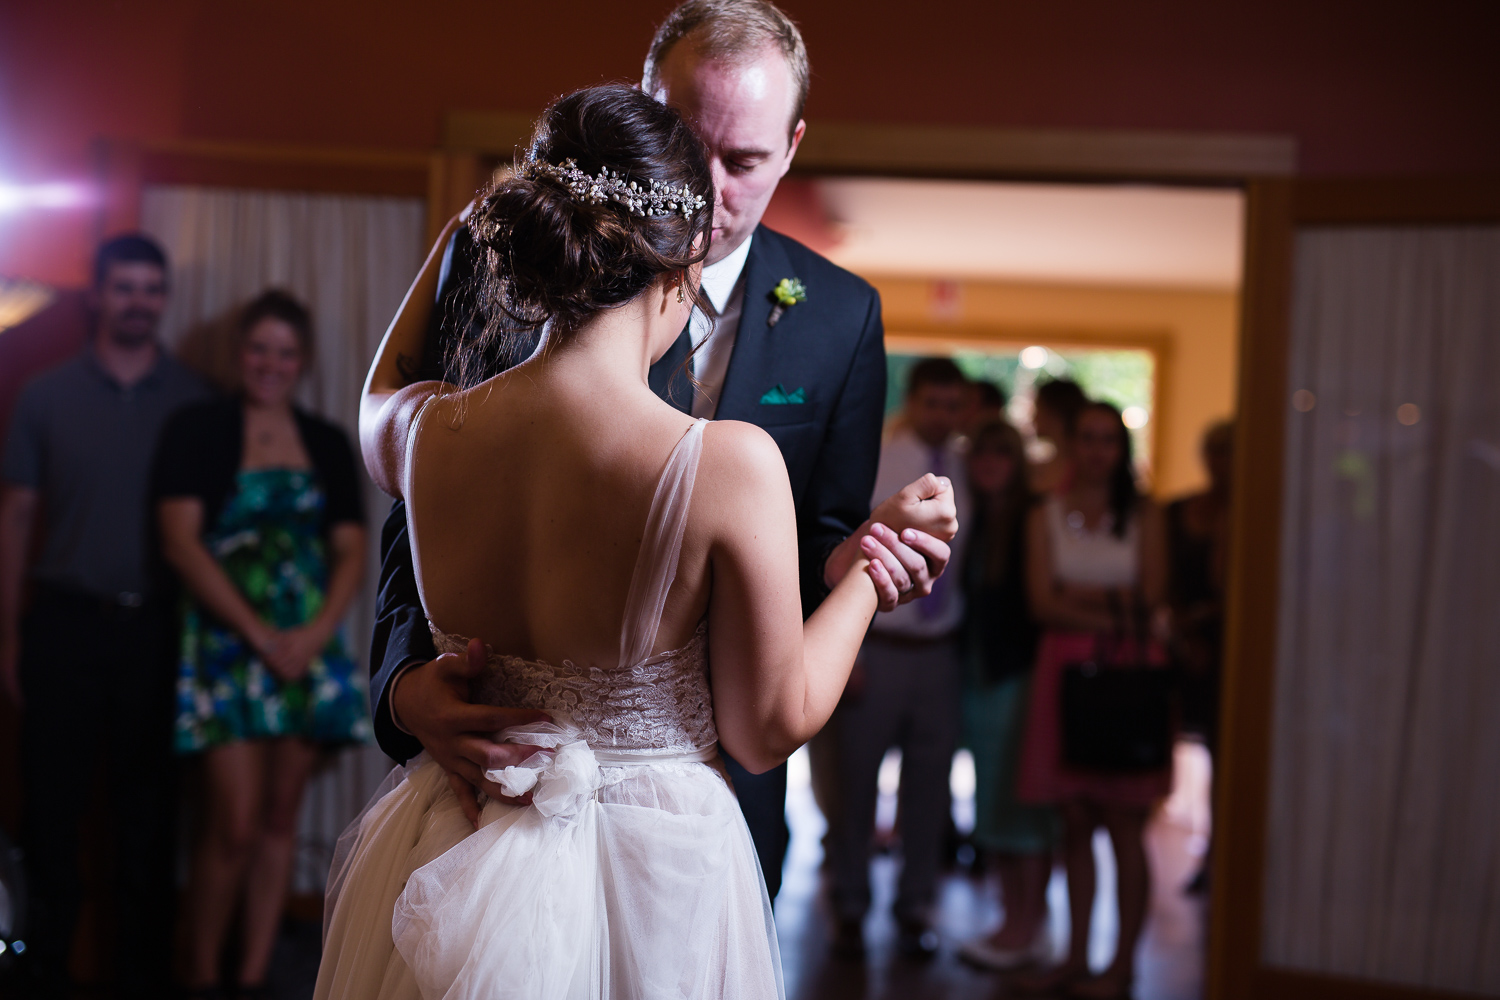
column 619, row 880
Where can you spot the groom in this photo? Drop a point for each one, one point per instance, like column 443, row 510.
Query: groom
column 796, row 347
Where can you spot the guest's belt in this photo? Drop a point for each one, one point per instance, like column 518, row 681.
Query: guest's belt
column 124, row 605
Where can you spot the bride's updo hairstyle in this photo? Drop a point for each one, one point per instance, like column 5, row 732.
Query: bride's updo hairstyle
column 553, row 256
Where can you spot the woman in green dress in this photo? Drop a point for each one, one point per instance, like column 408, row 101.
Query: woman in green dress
column 260, row 514
column 998, row 645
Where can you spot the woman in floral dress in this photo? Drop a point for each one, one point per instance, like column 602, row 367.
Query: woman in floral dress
column 260, row 514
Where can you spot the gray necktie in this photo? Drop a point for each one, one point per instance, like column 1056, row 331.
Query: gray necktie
column 934, row 603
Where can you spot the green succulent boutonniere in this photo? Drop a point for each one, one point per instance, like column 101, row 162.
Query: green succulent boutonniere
column 787, row 293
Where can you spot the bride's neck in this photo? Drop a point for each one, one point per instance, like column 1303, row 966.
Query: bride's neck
column 609, row 353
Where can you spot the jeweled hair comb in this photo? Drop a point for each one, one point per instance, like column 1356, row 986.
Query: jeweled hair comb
column 648, row 202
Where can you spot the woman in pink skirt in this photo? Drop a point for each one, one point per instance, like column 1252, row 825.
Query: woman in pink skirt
column 1095, row 559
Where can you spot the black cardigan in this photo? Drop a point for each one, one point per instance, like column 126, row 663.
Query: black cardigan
column 199, row 452
column 998, row 632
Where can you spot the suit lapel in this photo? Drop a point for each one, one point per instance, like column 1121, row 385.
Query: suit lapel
column 753, row 362
column 667, row 377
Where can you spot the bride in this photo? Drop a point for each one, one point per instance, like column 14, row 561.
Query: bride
column 611, row 548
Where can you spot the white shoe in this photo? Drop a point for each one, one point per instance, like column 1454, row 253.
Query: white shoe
column 987, row 955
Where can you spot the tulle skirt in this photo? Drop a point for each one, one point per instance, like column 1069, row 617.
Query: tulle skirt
column 623, row 879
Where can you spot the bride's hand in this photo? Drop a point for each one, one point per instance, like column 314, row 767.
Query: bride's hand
column 907, row 535
column 430, row 702
column 903, row 566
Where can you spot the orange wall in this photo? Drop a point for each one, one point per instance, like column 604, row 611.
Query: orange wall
column 1372, row 88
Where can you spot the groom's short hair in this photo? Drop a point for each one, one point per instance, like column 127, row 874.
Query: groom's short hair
column 729, row 29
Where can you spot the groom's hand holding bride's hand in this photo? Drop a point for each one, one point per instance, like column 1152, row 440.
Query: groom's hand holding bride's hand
column 908, row 535
column 430, row 701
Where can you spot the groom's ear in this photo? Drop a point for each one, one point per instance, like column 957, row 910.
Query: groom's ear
column 797, row 133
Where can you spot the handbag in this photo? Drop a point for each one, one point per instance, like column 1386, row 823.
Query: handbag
column 1118, row 706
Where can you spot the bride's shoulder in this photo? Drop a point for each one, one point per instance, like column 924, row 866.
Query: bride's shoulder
column 385, row 431
column 746, row 497
column 479, row 407
column 743, row 456
column 735, row 444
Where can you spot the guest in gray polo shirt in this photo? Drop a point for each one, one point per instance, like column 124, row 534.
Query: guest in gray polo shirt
column 89, row 662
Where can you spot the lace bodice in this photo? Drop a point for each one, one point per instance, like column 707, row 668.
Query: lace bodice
column 660, row 703
column 644, row 702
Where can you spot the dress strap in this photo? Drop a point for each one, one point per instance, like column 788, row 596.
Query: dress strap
column 409, row 473
column 661, row 547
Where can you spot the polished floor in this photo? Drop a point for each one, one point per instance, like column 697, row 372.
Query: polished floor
column 1170, row 959
column 1171, row 953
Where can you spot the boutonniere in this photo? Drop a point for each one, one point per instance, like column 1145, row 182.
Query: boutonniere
column 788, row 292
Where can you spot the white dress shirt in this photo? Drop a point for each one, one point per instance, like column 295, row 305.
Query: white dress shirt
column 724, row 288
column 905, row 458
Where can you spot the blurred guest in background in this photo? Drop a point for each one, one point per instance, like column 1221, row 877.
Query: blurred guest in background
column 1056, row 405
column 261, row 515
column 1197, row 529
column 1096, row 561
column 986, row 403
column 90, row 663
column 907, row 693
column 998, row 647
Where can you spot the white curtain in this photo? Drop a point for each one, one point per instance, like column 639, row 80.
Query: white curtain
column 1383, row 860
column 350, row 259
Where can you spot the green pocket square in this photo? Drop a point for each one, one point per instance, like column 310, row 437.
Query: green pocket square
column 779, row 396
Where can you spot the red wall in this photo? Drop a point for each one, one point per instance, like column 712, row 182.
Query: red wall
column 1366, row 88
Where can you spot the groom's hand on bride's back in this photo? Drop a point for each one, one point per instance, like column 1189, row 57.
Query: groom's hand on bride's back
column 430, row 701
column 908, row 535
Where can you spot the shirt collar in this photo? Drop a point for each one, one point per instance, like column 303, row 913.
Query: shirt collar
column 903, row 434
column 152, row 377
column 720, row 278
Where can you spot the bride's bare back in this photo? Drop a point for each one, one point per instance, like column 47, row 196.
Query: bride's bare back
column 527, row 501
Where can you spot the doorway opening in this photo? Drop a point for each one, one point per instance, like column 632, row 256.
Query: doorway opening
column 1131, row 291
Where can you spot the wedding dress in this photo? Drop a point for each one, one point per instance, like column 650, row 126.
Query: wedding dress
column 631, row 874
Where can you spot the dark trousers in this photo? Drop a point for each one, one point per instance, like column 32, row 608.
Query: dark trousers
column 98, row 689
column 909, row 700
column 763, row 801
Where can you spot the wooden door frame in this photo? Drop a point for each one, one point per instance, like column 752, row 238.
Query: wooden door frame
column 963, row 151
column 1275, row 210
column 475, row 141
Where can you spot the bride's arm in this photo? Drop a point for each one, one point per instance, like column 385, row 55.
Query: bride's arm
column 390, row 401
column 776, row 679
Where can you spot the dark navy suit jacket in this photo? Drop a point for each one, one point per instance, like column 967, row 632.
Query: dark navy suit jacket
column 831, row 347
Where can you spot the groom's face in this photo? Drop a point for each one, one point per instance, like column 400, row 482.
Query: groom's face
column 742, row 111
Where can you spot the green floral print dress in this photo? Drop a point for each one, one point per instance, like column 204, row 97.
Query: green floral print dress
column 269, row 540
